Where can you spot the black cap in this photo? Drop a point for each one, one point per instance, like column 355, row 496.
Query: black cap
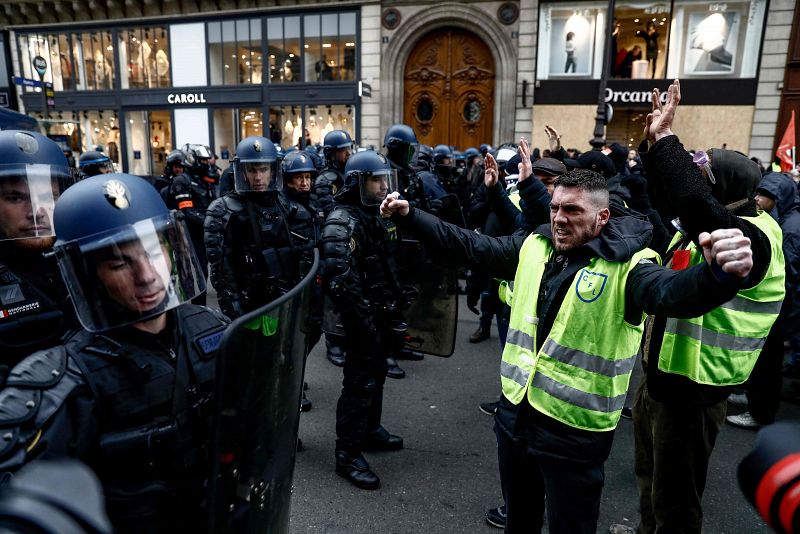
column 512, row 165
column 596, row 161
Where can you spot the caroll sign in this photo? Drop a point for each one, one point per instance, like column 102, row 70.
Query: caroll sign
column 186, row 98
column 632, row 97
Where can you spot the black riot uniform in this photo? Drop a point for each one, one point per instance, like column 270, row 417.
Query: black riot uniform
column 306, row 221
column 192, row 193
column 400, row 142
column 359, row 277
column 34, row 308
column 136, row 384
column 257, row 247
column 336, row 147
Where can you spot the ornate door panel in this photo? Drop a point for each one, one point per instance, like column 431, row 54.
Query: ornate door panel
column 449, row 89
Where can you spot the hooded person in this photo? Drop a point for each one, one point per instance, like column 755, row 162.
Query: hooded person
column 777, row 194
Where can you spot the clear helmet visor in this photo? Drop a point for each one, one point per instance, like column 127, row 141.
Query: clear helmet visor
column 374, row 186
column 131, row 274
column 28, row 193
column 257, row 176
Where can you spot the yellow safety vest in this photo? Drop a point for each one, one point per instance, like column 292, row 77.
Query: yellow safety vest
column 722, row 346
column 580, row 374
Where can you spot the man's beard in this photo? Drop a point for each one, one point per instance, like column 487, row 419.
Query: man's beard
column 35, row 243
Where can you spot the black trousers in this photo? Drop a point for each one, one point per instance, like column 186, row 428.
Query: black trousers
column 572, row 489
column 361, row 402
column 673, row 443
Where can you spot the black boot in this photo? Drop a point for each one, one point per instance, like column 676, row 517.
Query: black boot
column 382, row 440
column 305, row 404
column 354, row 467
column 393, row 370
column 335, row 352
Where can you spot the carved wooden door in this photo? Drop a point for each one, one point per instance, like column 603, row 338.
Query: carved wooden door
column 449, row 89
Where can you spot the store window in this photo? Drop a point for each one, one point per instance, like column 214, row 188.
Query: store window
column 55, row 48
column 144, row 56
column 571, row 41
column 96, row 53
column 329, row 46
column 283, row 34
column 230, row 127
column 234, row 52
column 716, row 40
column 149, row 135
column 682, row 39
column 289, row 124
column 639, row 41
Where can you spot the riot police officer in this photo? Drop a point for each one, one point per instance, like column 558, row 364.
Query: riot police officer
column 359, row 276
column 34, row 307
column 257, row 251
column 337, row 148
column 94, row 162
column 401, row 142
column 146, row 355
column 174, row 165
column 192, row 192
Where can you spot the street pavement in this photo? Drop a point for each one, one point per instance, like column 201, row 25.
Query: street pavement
column 446, row 477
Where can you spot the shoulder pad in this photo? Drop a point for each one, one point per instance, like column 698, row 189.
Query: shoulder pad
column 339, row 215
column 18, row 405
column 41, row 369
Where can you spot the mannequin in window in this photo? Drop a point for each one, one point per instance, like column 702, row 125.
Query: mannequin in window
column 650, row 36
column 102, row 71
column 323, row 70
column 162, row 64
column 569, row 48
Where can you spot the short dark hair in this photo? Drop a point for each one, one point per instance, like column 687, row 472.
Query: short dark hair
column 586, row 180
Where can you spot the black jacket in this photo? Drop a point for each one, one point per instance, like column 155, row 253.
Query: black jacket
column 650, row 289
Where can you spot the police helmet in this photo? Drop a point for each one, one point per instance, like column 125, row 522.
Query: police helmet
column 198, row 160
column 296, row 163
column 400, row 142
column 33, row 173
column 94, row 162
column 470, row 153
column 425, row 153
column 372, row 174
column 441, row 153
column 124, row 257
column 334, row 141
column 255, row 167
column 485, row 148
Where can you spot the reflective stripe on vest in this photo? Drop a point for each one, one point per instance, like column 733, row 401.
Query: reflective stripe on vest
column 580, row 375
column 722, row 346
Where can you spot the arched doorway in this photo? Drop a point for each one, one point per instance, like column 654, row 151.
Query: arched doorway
column 449, row 89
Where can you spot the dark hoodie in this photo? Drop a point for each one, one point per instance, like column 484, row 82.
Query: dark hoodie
column 649, row 289
column 787, row 204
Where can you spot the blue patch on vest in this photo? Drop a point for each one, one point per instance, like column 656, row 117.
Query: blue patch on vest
column 590, row 285
column 210, row 343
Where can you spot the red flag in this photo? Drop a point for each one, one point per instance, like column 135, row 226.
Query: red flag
column 787, row 147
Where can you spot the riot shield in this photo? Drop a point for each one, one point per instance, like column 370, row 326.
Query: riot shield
column 433, row 315
column 259, row 384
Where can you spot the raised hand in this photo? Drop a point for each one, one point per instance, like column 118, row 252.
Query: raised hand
column 730, row 249
column 490, row 174
column 553, row 139
column 524, row 167
column 658, row 123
